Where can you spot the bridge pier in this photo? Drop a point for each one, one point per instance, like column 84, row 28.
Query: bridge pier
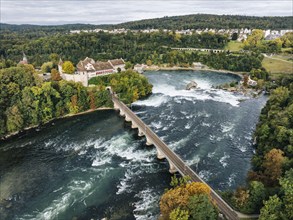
column 148, row 141
column 116, row 106
column 133, row 125
column 140, row 133
column 122, row 113
column 172, row 168
column 160, row 154
column 127, row 118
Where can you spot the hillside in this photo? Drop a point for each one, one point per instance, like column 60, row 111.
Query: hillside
column 197, row 21
column 200, row 21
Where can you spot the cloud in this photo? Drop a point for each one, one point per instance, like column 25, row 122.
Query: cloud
column 117, row 11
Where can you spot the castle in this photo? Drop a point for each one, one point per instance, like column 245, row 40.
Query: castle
column 88, row 68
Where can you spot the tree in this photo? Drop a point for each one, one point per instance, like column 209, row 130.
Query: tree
column 272, row 165
column 179, row 214
column 254, row 39
column 68, row 67
column 179, row 196
column 287, row 189
column 234, row 36
column 271, row 209
column 46, row 67
column 149, row 62
column 201, row 207
column 14, row 119
column 245, row 80
column 128, row 65
column 55, row 75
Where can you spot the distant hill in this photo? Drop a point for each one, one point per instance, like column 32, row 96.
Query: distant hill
column 200, row 21
column 48, row 28
column 197, row 21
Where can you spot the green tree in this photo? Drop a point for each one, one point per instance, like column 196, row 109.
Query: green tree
column 254, row 39
column 46, row 67
column 271, row 209
column 287, row 190
column 14, row 119
column 128, row 65
column 68, row 67
column 201, row 207
column 179, row 214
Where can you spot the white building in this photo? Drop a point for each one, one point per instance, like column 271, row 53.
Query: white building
column 139, row 68
column 88, row 68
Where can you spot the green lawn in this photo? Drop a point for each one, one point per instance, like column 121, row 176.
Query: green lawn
column 234, row 46
column 277, row 66
column 288, row 57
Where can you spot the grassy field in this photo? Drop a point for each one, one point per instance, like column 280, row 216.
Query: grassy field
column 234, row 46
column 288, row 57
column 277, row 66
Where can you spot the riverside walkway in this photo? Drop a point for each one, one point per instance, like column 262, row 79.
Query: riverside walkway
column 175, row 162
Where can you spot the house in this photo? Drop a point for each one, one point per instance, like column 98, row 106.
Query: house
column 197, row 65
column 251, row 82
column 139, row 68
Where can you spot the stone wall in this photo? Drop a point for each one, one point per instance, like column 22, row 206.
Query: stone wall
column 76, row 78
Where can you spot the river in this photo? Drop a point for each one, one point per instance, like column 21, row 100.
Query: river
column 94, row 165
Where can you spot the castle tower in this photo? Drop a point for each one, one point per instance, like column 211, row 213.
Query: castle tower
column 60, row 66
column 24, row 59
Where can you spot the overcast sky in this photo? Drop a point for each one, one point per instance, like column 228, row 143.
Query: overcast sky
column 117, row 11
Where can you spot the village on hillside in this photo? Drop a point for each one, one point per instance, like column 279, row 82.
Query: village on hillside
column 241, row 34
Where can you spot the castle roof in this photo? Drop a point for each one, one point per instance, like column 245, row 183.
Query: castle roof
column 103, row 66
column 117, row 62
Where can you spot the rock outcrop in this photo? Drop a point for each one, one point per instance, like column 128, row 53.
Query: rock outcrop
column 191, row 85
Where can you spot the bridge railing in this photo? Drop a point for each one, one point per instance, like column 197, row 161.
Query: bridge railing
column 180, row 165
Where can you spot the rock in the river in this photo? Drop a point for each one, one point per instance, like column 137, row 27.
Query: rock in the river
column 191, row 85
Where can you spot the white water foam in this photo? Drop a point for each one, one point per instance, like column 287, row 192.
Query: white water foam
column 206, row 93
column 77, row 191
column 123, row 147
column 157, row 125
column 223, row 160
column 154, row 101
column 205, row 175
column 123, row 185
column 188, row 125
column 231, row 179
column 144, row 207
column 194, row 161
column 226, row 127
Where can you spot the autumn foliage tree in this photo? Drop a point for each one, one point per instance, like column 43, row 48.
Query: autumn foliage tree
column 181, row 196
column 272, row 165
column 55, row 75
column 68, row 67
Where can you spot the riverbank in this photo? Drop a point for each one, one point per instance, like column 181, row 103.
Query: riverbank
column 158, row 68
column 11, row 135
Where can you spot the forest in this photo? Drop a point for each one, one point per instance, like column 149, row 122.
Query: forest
column 154, row 48
column 196, row 21
column 202, row 21
column 132, row 47
column 26, row 101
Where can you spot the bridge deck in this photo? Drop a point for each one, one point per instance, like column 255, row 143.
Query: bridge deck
column 180, row 165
